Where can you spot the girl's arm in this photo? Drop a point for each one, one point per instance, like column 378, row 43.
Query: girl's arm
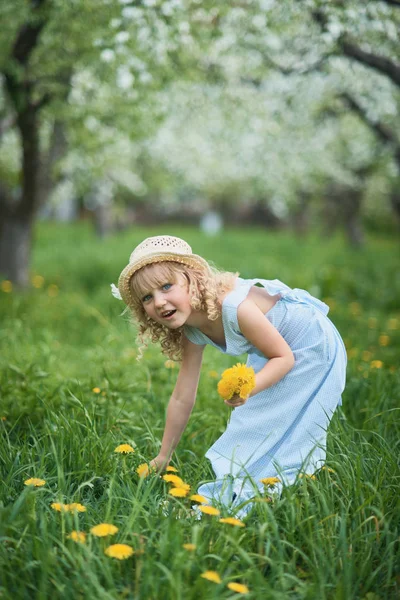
column 181, row 402
column 266, row 338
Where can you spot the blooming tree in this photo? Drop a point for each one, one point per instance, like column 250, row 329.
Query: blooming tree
column 74, row 74
column 249, row 99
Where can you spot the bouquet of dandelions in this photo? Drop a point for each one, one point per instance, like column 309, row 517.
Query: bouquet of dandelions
column 239, row 380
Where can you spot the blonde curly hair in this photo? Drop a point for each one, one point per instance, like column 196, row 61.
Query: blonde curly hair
column 205, row 290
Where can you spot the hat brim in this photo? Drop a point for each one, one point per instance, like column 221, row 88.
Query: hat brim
column 192, row 260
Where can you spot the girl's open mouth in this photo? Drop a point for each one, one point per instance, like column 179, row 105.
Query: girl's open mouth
column 168, row 314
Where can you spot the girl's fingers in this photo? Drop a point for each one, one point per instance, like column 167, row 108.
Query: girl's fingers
column 235, row 404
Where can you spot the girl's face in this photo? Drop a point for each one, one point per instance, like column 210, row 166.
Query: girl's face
column 165, row 295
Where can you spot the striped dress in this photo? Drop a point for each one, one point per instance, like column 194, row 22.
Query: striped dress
column 282, row 430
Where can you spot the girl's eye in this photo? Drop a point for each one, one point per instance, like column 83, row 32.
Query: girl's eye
column 166, row 286
column 146, row 298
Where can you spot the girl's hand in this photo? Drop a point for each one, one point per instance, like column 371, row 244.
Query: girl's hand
column 236, row 401
column 159, row 463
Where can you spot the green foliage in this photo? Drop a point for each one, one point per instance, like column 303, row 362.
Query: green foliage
column 247, row 97
column 335, row 537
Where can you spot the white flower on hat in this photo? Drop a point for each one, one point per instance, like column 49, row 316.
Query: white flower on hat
column 115, row 292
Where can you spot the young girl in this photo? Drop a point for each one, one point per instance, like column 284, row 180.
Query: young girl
column 296, row 352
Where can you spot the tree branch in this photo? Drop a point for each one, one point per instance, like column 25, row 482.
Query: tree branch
column 385, row 134
column 382, row 131
column 384, row 65
column 28, row 35
column 45, row 99
column 295, row 70
column 395, row 3
column 315, row 66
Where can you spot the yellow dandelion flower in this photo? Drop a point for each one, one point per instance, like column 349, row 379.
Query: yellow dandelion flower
column 384, row 340
column 372, row 323
column 240, row 588
column 307, row 476
column 190, row 547
column 77, row 536
column 355, row 308
column 169, row 364
column 35, row 482
column 119, row 551
column 376, row 364
column 366, row 355
column 199, row 498
column 325, row 468
column 225, row 389
column 352, row 353
column 37, row 281
column 211, row 576
column 124, row 449
column 228, row 372
column 178, row 492
column 245, row 390
column 209, row 510
column 242, row 371
column 143, row 470
column 239, row 379
column 103, row 530
column 171, row 470
column 213, row 374
column 52, row 290
column 75, row 507
column 59, row 506
column 3, row 418
column 96, row 390
column 393, row 323
column 175, row 479
column 270, row 481
column 232, row 521
column 6, row 286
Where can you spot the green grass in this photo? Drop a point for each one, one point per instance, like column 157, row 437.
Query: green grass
column 336, row 537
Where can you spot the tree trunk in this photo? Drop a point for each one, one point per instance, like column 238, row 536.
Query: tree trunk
column 102, row 220
column 330, row 212
column 354, row 231
column 17, row 216
column 343, row 207
column 15, row 249
column 301, row 215
column 48, row 179
column 395, row 202
column 352, row 218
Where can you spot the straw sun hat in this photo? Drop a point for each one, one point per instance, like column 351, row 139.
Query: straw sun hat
column 157, row 249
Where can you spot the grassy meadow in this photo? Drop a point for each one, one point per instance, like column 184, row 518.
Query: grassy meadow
column 71, row 391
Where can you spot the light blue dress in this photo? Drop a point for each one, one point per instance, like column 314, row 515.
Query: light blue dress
column 282, row 430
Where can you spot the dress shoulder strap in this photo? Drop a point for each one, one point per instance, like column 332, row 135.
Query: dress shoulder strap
column 195, row 335
column 242, row 288
column 238, row 294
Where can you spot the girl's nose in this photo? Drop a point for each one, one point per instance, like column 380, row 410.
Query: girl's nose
column 159, row 300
